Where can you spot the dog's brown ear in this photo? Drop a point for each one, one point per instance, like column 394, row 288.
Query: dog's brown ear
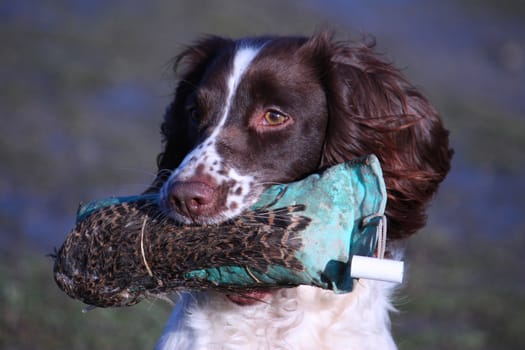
column 189, row 66
column 193, row 60
column 373, row 109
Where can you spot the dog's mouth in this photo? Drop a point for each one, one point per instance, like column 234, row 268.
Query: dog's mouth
column 198, row 202
column 249, row 298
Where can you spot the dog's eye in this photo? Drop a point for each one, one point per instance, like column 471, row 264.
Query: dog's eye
column 194, row 114
column 274, row 118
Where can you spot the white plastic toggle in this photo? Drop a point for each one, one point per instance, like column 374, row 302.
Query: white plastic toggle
column 377, row 269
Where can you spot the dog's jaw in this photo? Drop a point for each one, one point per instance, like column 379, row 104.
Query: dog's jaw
column 249, row 298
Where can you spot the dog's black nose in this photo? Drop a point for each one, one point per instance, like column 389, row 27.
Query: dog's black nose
column 191, row 198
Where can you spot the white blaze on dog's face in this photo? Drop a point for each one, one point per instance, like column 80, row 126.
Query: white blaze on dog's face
column 255, row 118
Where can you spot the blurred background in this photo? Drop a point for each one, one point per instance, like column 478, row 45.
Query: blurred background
column 84, row 84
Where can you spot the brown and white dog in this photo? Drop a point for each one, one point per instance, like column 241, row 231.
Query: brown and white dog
column 253, row 112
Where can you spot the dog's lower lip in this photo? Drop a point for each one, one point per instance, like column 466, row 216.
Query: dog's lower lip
column 249, row 298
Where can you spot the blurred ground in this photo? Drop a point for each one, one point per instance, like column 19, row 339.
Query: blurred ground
column 84, row 86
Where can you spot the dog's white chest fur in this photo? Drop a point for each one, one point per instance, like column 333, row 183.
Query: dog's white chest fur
column 296, row 318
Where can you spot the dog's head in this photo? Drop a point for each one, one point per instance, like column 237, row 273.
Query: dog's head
column 258, row 111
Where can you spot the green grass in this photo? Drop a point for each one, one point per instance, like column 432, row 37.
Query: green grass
column 462, row 294
column 36, row 314
column 485, row 136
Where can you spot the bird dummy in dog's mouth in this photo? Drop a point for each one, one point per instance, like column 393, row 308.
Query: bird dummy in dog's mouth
column 322, row 231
